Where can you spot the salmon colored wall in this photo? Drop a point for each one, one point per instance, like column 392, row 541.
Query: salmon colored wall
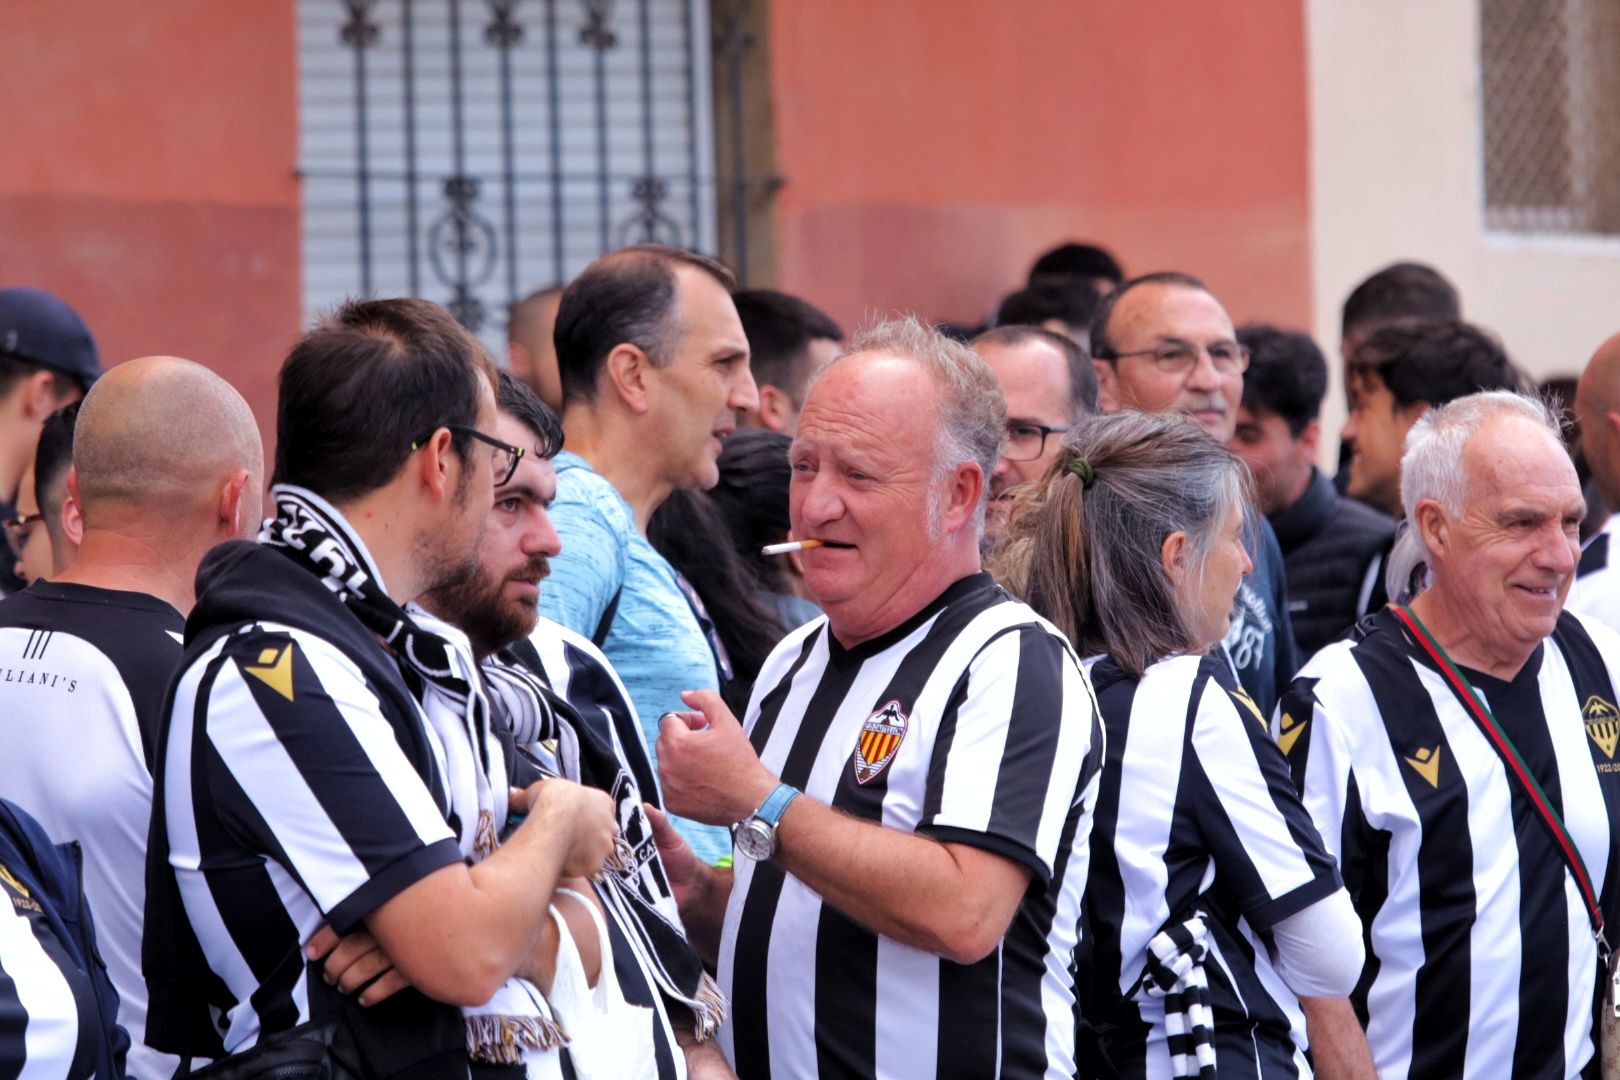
column 148, row 176
column 932, row 148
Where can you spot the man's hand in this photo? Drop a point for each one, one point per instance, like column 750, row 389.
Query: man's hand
column 354, row 961
column 584, row 814
column 708, row 767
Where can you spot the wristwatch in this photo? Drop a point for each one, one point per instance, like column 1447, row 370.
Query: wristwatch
column 756, row 836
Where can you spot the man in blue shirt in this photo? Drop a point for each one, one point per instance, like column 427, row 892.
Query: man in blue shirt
column 654, row 367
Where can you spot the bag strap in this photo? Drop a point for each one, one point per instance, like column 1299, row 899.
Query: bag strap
column 1476, row 707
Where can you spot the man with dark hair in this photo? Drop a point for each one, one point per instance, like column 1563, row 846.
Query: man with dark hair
column 530, row 353
column 1050, row 386
column 789, row 339
column 1331, row 545
column 1085, row 261
column 1162, row 342
column 1062, row 305
column 1397, row 374
column 47, row 360
column 1403, row 292
column 654, row 365
column 1400, row 292
column 355, row 785
column 564, row 705
column 168, row 463
column 45, row 533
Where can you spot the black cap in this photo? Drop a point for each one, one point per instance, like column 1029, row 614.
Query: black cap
column 39, row 329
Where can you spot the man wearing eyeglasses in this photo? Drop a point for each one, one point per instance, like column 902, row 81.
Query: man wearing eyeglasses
column 1162, row 342
column 1050, row 386
column 328, row 760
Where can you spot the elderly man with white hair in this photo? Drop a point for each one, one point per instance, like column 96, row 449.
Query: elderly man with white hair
column 1458, row 757
column 914, row 781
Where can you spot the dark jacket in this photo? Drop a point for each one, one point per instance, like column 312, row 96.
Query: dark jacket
column 239, row 583
column 1328, row 543
column 51, row 874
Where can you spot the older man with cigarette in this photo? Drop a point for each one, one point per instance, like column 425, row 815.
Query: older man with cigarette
column 913, row 782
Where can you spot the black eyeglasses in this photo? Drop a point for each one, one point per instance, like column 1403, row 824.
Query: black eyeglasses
column 18, row 528
column 505, row 461
column 1026, row 442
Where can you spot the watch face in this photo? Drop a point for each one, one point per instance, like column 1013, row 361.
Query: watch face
column 756, row 840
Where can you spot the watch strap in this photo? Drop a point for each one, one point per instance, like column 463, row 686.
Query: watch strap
column 776, row 803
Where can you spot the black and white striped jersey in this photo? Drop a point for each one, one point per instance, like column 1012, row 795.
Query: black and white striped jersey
column 1195, row 813
column 289, row 803
column 1480, row 956
column 970, row 723
column 83, row 672
column 1596, row 591
column 580, row 674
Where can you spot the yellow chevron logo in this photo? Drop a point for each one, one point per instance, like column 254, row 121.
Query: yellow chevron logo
column 1248, row 703
column 275, row 670
column 1427, row 764
column 1290, row 732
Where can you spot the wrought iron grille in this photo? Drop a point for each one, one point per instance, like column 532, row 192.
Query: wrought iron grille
column 1550, row 82
column 473, row 150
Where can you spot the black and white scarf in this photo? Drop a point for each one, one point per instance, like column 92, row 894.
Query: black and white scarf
column 1175, row 972
column 635, row 891
column 311, row 532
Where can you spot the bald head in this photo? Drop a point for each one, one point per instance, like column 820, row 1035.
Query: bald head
column 162, row 434
column 1597, row 409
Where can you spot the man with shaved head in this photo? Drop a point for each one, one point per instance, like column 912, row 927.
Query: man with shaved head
column 166, row 463
column 1596, row 590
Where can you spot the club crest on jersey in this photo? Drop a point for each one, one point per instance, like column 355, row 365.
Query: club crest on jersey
column 1602, row 724
column 881, row 737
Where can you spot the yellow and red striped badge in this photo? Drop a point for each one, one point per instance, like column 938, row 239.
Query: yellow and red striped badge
column 880, row 739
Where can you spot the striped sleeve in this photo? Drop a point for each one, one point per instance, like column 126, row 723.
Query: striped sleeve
column 1320, row 761
column 1262, row 840
column 307, row 771
column 1011, row 746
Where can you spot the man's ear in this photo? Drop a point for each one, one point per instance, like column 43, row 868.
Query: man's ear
column 1432, row 528
column 229, row 503
column 72, row 521
column 776, row 408
column 39, row 396
column 624, row 374
column 1311, row 437
column 963, row 496
column 433, row 460
column 1107, row 386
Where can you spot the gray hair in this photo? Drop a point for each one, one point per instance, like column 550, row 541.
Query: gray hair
column 972, row 408
column 1087, row 554
column 1431, row 462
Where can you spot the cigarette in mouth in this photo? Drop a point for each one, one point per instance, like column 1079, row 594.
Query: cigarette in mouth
column 792, row 545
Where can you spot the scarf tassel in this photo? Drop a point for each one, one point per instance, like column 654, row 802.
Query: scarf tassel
column 503, row 1040
column 709, row 1008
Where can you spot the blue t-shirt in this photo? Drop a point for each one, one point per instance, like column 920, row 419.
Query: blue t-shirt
column 653, row 640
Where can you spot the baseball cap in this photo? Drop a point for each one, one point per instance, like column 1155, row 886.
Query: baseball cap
column 39, row 329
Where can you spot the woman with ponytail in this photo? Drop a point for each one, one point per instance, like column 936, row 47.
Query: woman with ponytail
column 1213, row 907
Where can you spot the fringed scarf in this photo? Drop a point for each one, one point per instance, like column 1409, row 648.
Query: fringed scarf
column 436, row 658
column 634, row 891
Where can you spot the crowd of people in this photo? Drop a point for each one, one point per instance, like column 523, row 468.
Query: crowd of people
column 698, row 691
